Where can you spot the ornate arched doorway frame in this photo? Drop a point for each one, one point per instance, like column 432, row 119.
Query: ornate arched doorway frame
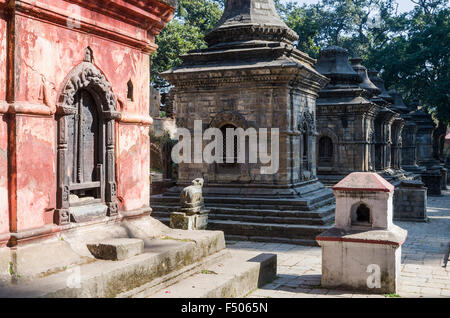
column 86, row 76
column 223, row 172
column 327, row 132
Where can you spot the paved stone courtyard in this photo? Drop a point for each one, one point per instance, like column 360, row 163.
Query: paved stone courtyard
column 423, row 272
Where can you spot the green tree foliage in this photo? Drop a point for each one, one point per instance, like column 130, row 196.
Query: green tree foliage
column 416, row 61
column 186, row 32
column 411, row 49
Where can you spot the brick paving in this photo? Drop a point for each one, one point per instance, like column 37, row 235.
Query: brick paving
column 422, row 275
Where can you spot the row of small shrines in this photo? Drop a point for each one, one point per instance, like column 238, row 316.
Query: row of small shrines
column 334, row 118
column 397, row 142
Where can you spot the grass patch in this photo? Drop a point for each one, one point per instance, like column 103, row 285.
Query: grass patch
column 208, row 272
column 250, row 292
column 392, row 296
column 175, row 239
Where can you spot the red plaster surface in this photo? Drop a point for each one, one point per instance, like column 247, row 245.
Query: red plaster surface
column 133, row 167
column 46, row 50
column 4, row 211
column 48, row 53
column 2, row 56
column 36, row 170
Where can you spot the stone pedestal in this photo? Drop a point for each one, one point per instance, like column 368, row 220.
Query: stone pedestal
column 433, row 181
column 183, row 221
column 361, row 260
column 363, row 250
column 410, row 201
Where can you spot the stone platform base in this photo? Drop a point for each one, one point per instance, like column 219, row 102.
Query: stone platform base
column 362, row 260
column 64, row 267
column 179, row 220
column 410, row 202
column 433, row 182
column 293, row 215
column 229, row 277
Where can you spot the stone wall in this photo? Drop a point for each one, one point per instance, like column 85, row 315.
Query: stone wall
column 247, row 105
column 410, row 202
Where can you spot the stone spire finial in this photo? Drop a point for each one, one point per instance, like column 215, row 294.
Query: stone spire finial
column 362, row 71
column 398, row 105
column 246, row 20
column 379, row 82
column 333, row 63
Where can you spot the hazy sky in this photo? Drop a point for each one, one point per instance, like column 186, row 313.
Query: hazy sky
column 404, row 5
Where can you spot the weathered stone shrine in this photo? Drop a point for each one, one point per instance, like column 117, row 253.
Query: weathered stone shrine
column 345, row 118
column 360, row 130
column 433, row 175
column 74, row 145
column 388, row 128
column 251, row 76
column 408, row 136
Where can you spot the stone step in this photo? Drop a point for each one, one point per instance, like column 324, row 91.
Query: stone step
column 282, row 240
column 173, row 205
column 116, row 249
column 320, row 198
column 301, row 234
column 232, row 277
column 318, row 213
column 251, row 216
column 166, row 258
column 272, row 219
column 264, row 216
column 270, row 230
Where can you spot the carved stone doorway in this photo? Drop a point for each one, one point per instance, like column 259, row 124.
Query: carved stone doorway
column 85, row 152
column 86, row 145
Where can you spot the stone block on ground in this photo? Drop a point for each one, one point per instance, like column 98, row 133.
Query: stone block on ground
column 116, row 249
column 179, row 220
column 268, row 267
column 410, row 201
column 182, row 221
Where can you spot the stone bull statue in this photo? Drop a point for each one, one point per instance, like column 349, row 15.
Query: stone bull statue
column 193, row 215
column 191, row 198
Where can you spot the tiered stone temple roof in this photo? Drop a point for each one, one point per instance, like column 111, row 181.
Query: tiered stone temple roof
column 379, row 82
column 345, row 82
column 247, row 20
column 362, row 71
column 398, row 104
column 249, row 35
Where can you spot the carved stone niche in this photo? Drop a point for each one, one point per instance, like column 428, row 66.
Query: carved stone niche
column 86, row 111
column 229, row 171
column 307, row 128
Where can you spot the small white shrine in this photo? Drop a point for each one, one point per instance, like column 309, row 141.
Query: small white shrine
column 363, row 250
